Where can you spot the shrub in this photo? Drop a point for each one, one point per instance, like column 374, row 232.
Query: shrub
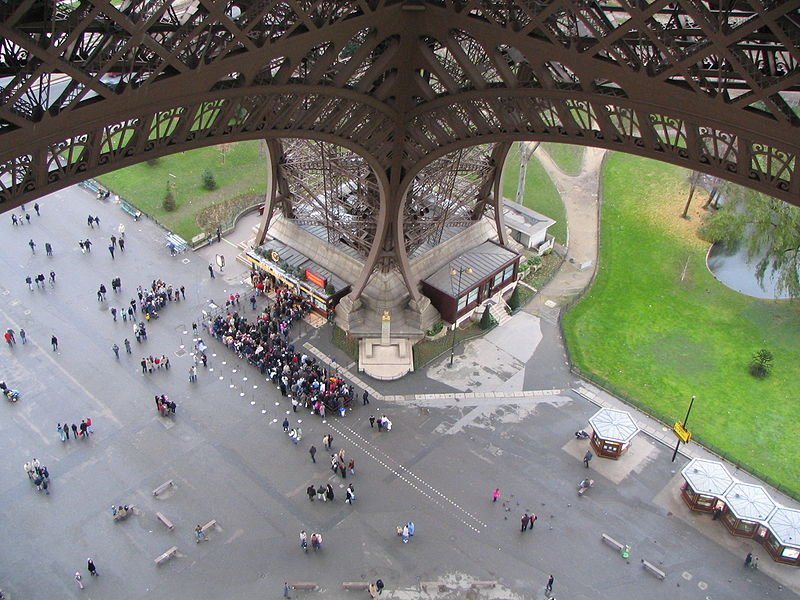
column 487, row 320
column 209, row 181
column 761, row 363
column 169, row 201
column 514, row 300
column 437, row 327
column 330, row 290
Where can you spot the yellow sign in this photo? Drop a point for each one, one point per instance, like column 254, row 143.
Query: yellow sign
column 682, row 433
column 274, row 256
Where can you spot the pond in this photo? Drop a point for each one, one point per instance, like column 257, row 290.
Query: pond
column 739, row 273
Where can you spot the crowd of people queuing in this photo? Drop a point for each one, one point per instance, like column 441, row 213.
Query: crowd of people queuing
column 265, row 344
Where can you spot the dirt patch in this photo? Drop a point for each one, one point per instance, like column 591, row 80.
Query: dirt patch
column 665, row 210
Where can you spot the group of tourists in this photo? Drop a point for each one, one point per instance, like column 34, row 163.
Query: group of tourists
column 165, row 406
column 81, row 431
column 26, row 216
column 39, row 280
column 151, row 363
column 39, row 475
column 265, row 344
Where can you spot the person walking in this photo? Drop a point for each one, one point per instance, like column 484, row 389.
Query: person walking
column 371, row 421
column 114, row 313
column 199, row 534
column 115, row 348
column 127, row 345
column 60, row 430
column 495, row 494
column 75, row 431
column 329, row 493
column 286, row 424
column 111, row 251
column 54, row 343
column 365, row 398
column 748, row 559
column 586, row 458
column 122, row 244
column 351, row 494
column 48, row 249
column 311, row 492
column 525, row 520
column 313, row 452
column 532, row 521
column 285, row 583
column 79, row 579
column 92, row 569
column 549, row 587
column 23, row 336
column 36, row 208
column 32, row 244
column 211, row 270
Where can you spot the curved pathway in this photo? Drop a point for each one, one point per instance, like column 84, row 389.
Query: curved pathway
column 580, row 194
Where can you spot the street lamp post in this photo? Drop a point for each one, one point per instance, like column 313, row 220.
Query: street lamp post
column 685, row 420
column 453, row 272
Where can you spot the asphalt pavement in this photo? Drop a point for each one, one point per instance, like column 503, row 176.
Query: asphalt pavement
column 230, row 461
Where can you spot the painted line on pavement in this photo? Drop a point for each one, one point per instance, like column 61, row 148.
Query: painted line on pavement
column 436, row 497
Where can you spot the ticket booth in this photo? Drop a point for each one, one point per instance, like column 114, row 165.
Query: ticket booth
column 705, row 482
column 747, row 507
column 782, row 537
column 612, row 432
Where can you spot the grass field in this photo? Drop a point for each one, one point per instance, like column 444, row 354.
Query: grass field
column 144, row 186
column 540, row 193
column 657, row 327
column 568, row 157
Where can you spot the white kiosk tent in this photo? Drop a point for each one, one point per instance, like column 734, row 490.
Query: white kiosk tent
column 612, row 432
column 782, row 537
column 746, row 507
column 706, row 481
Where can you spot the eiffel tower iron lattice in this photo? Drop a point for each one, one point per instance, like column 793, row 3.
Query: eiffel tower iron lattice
column 402, row 102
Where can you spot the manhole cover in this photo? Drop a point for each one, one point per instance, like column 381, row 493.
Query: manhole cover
column 181, row 352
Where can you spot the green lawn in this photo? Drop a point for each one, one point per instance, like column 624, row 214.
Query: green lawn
column 540, row 193
column 568, row 157
column 657, row 327
column 144, row 186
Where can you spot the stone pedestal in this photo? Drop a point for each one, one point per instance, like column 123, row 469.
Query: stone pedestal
column 386, row 327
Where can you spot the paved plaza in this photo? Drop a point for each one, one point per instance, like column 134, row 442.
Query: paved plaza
column 457, row 434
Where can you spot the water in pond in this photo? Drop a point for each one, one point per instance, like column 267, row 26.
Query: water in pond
column 735, row 271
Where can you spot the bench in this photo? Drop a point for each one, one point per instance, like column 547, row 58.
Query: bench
column 439, row 586
column 130, row 209
column 90, row 185
column 355, row 585
column 163, row 487
column 648, row 566
column 612, row 542
column 304, row 585
column 167, row 555
column 167, row 523
column 177, row 242
column 483, row 585
column 208, row 526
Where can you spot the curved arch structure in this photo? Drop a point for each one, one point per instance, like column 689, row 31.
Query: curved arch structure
column 91, row 86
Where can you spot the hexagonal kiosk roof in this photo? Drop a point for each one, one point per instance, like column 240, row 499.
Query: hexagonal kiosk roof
column 785, row 526
column 707, row 477
column 614, row 425
column 749, row 502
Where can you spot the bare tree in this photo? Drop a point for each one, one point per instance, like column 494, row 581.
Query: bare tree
column 526, row 150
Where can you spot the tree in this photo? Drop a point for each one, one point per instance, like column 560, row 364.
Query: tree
column 209, row 181
column 761, row 363
column 169, row 200
column 514, row 299
column 526, row 150
column 487, row 320
column 694, row 180
column 769, row 227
